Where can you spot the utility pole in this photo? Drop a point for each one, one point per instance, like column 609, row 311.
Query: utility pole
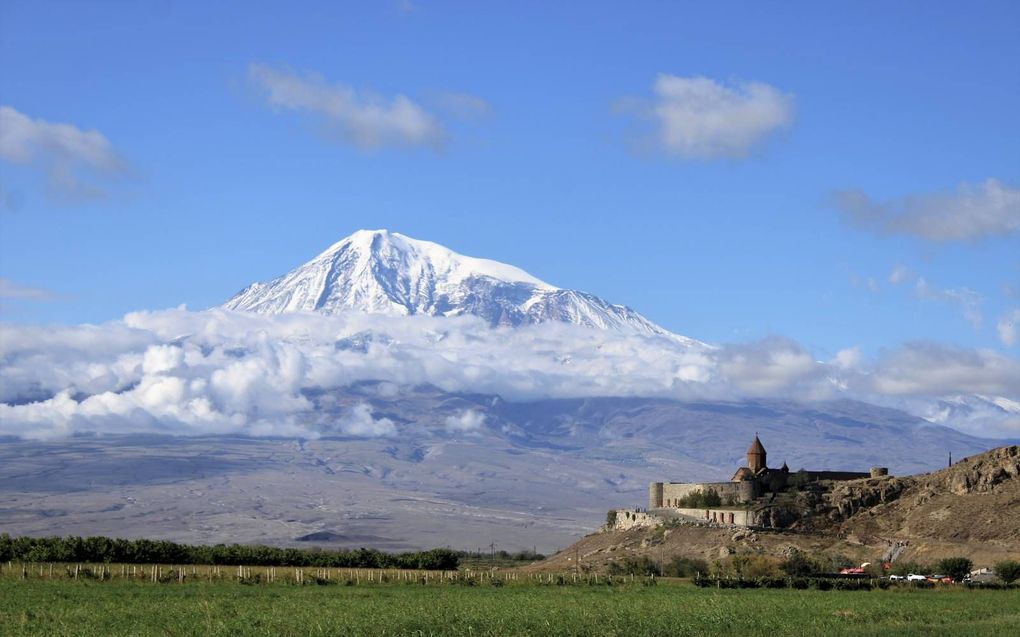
column 492, row 547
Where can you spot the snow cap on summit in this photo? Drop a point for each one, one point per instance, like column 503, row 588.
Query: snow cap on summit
column 379, row 271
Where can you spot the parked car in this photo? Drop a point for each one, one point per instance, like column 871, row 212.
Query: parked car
column 896, row 578
column 916, row 578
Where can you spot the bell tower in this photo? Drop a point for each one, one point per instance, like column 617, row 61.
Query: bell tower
column 756, row 456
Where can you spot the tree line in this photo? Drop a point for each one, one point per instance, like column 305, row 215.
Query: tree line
column 117, row 550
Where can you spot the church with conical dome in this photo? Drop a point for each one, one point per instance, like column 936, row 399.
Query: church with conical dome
column 731, row 502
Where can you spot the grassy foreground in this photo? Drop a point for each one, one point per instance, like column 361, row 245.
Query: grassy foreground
column 89, row 608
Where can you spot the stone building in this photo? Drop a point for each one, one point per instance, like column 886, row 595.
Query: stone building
column 749, row 483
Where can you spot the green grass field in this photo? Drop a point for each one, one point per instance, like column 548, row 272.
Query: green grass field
column 40, row 607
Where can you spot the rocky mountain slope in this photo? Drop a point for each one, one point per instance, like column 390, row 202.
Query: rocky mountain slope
column 382, row 272
column 977, row 500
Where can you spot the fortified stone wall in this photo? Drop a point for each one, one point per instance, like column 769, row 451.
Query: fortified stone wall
column 735, row 517
column 667, row 494
column 631, row 519
column 837, row 475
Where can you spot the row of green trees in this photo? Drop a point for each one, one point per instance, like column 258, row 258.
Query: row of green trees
column 676, row 567
column 104, row 549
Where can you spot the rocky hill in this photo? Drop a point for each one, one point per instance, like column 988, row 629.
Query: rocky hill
column 977, row 500
column 970, row 509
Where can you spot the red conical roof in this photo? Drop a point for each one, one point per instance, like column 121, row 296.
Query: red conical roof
column 756, row 447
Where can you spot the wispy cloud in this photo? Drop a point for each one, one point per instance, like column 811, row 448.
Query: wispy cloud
column 899, row 274
column 973, row 212
column 11, row 290
column 361, row 118
column 700, row 118
column 967, row 300
column 75, row 161
column 1009, row 327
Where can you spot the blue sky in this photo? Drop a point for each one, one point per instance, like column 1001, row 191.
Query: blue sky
column 547, row 153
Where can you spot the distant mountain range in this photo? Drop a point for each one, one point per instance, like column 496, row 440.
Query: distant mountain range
column 456, row 469
column 385, row 272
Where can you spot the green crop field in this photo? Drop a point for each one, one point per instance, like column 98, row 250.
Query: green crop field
column 61, row 607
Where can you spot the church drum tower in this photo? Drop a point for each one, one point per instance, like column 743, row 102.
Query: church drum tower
column 756, row 456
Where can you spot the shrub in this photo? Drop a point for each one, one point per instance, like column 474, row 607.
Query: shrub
column 752, row 566
column 836, row 562
column 634, row 566
column 772, row 582
column 611, row 518
column 955, row 567
column 1008, row 571
column 799, row 565
column 800, row 583
column 685, row 567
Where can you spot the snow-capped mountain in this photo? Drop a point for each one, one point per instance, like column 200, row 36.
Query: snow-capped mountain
column 384, row 272
column 970, row 411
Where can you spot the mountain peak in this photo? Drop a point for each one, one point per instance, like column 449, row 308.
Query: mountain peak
column 386, row 272
column 383, row 245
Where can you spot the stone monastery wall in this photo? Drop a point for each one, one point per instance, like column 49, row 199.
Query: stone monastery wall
column 667, row 494
column 724, row 516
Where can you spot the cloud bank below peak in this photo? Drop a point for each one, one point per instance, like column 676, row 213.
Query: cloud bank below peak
column 217, row 372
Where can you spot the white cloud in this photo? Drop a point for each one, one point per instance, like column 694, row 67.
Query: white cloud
column 360, row 422
column 849, row 358
column 966, row 299
column 72, row 158
column 467, row 421
column 216, row 372
column 162, row 358
column 1009, row 328
column 11, row 290
column 972, row 212
column 899, row 274
column 360, row 118
column 699, row 118
column 930, row 369
column 767, row 366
